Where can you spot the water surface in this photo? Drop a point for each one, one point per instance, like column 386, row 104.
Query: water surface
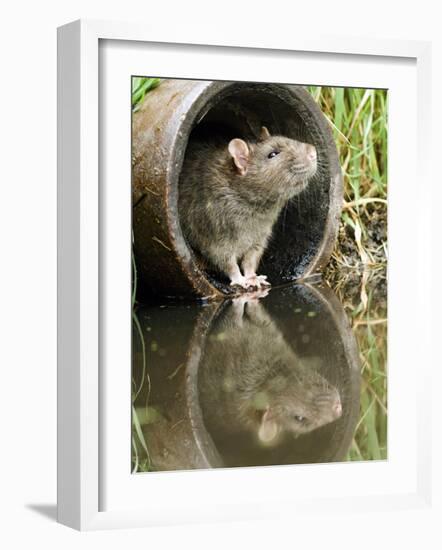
column 258, row 380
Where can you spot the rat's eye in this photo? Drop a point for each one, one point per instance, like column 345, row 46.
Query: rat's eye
column 299, row 418
column 273, row 154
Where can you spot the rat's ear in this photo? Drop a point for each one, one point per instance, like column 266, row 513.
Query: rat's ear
column 264, row 134
column 240, row 153
column 268, row 429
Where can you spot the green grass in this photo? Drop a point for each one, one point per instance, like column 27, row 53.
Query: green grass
column 357, row 272
column 358, row 119
column 140, row 87
column 140, row 452
column 370, row 440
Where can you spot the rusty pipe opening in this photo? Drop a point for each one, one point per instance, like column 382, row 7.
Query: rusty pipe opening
column 179, row 111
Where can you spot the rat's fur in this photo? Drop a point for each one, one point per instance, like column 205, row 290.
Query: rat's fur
column 231, row 194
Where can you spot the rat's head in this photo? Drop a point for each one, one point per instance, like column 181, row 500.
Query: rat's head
column 276, row 164
column 298, row 404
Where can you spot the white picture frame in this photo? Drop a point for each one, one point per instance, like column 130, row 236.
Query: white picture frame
column 84, row 317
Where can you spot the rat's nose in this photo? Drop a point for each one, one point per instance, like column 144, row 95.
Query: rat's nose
column 311, row 152
column 337, row 409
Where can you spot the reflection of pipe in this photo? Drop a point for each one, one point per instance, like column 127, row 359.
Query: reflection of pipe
column 304, row 236
column 178, row 343
column 167, row 403
column 349, row 343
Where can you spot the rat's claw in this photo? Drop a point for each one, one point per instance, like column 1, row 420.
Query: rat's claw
column 263, row 280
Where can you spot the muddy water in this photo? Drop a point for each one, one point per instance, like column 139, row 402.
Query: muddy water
column 262, row 380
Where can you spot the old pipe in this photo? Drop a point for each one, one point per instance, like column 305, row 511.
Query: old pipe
column 171, row 114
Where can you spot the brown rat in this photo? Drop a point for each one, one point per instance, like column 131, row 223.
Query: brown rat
column 231, row 194
column 252, row 380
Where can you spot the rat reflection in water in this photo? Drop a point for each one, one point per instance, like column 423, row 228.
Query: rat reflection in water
column 253, row 379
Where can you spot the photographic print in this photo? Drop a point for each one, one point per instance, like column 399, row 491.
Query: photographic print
column 259, row 260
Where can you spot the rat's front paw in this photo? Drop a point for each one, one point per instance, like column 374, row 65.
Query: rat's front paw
column 250, row 283
column 241, row 281
column 258, row 281
column 263, row 280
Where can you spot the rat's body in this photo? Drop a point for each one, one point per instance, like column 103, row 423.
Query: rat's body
column 252, row 381
column 231, row 194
